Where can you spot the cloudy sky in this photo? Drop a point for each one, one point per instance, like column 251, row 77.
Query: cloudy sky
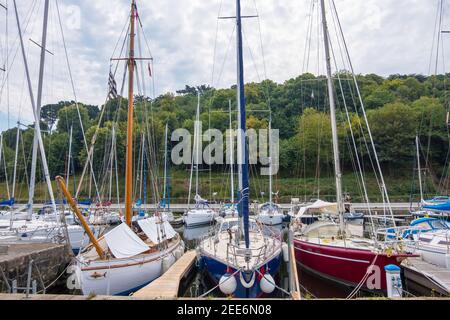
column 384, row 37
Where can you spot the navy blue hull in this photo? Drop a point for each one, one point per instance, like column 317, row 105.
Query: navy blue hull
column 217, row 269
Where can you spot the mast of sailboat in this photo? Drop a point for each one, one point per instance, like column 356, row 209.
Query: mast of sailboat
column 231, row 155
column 270, row 161
column 419, row 169
column 197, row 144
column 38, row 111
column 129, row 154
column 337, row 166
column 244, row 191
column 16, row 157
column 1, row 153
column 34, row 104
column 165, row 164
column 69, row 158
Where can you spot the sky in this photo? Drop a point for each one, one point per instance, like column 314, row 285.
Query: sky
column 191, row 46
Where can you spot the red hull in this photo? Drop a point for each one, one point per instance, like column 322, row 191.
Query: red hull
column 345, row 265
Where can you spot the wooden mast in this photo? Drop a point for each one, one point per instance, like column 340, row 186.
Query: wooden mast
column 129, row 156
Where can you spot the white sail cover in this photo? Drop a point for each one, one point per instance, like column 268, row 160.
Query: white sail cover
column 124, row 243
column 151, row 228
column 319, row 207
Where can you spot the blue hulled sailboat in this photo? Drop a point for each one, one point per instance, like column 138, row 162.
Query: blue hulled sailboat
column 242, row 257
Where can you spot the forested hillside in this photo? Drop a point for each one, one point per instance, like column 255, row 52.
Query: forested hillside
column 398, row 108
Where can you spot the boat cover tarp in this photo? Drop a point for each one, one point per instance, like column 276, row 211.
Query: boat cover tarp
column 7, row 203
column 151, row 228
column 435, row 206
column 319, row 207
column 124, row 243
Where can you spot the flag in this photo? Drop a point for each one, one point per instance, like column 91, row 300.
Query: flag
column 150, row 70
column 112, row 86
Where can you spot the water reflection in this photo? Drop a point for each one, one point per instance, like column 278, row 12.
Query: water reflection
column 192, row 234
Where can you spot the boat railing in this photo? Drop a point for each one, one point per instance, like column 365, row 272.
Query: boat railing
column 397, row 237
column 257, row 254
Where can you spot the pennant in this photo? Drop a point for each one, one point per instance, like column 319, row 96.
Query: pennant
column 112, row 86
column 150, row 70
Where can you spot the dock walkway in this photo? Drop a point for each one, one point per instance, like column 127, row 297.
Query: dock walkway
column 167, row 286
column 427, row 275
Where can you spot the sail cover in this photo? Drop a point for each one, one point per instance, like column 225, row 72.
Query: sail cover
column 319, row 207
column 153, row 232
column 124, row 243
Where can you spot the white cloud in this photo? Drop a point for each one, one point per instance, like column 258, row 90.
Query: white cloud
column 384, row 37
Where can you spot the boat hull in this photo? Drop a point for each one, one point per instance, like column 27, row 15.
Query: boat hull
column 216, row 269
column 270, row 220
column 347, row 266
column 123, row 276
column 199, row 218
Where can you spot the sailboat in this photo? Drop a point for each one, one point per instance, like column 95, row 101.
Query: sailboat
column 327, row 248
column 8, row 203
column 230, row 209
column 32, row 228
column 164, row 204
column 270, row 213
column 438, row 206
column 240, row 257
column 134, row 253
column 201, row 214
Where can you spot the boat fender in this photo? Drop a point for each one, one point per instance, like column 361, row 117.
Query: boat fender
column 246, row 284
column 227, row 284
column 285, row 249
column 178, row 253
column 267, row 284
column 166, row 263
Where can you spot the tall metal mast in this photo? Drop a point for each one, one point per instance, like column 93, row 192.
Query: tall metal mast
column 165, row 163
column 69, row 158
column 231, row 155
column 38, row 109
column 36, row 105
column 337, row 165
column 129, row 155
column 244, row 191
column 419, row 170
column 16, row 157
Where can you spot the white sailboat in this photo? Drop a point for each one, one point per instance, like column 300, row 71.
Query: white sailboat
column 132, row 254
column 270, row 213
column 201, row 214
column 165, row 201
column 230, row 209
column 33, row 228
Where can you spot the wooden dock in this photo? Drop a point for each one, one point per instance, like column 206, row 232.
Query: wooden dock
column 426, row 278
column 167, row 286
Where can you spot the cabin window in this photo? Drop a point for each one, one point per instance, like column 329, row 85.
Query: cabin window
column 445, row 243
column 427, row 240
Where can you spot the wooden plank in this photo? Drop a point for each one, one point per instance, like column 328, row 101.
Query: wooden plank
column 167, row 286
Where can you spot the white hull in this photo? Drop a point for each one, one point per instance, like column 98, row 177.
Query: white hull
column 198, row 217
column 268, row 219
column 46, row 231
column 124, row 276
column 434, row 247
